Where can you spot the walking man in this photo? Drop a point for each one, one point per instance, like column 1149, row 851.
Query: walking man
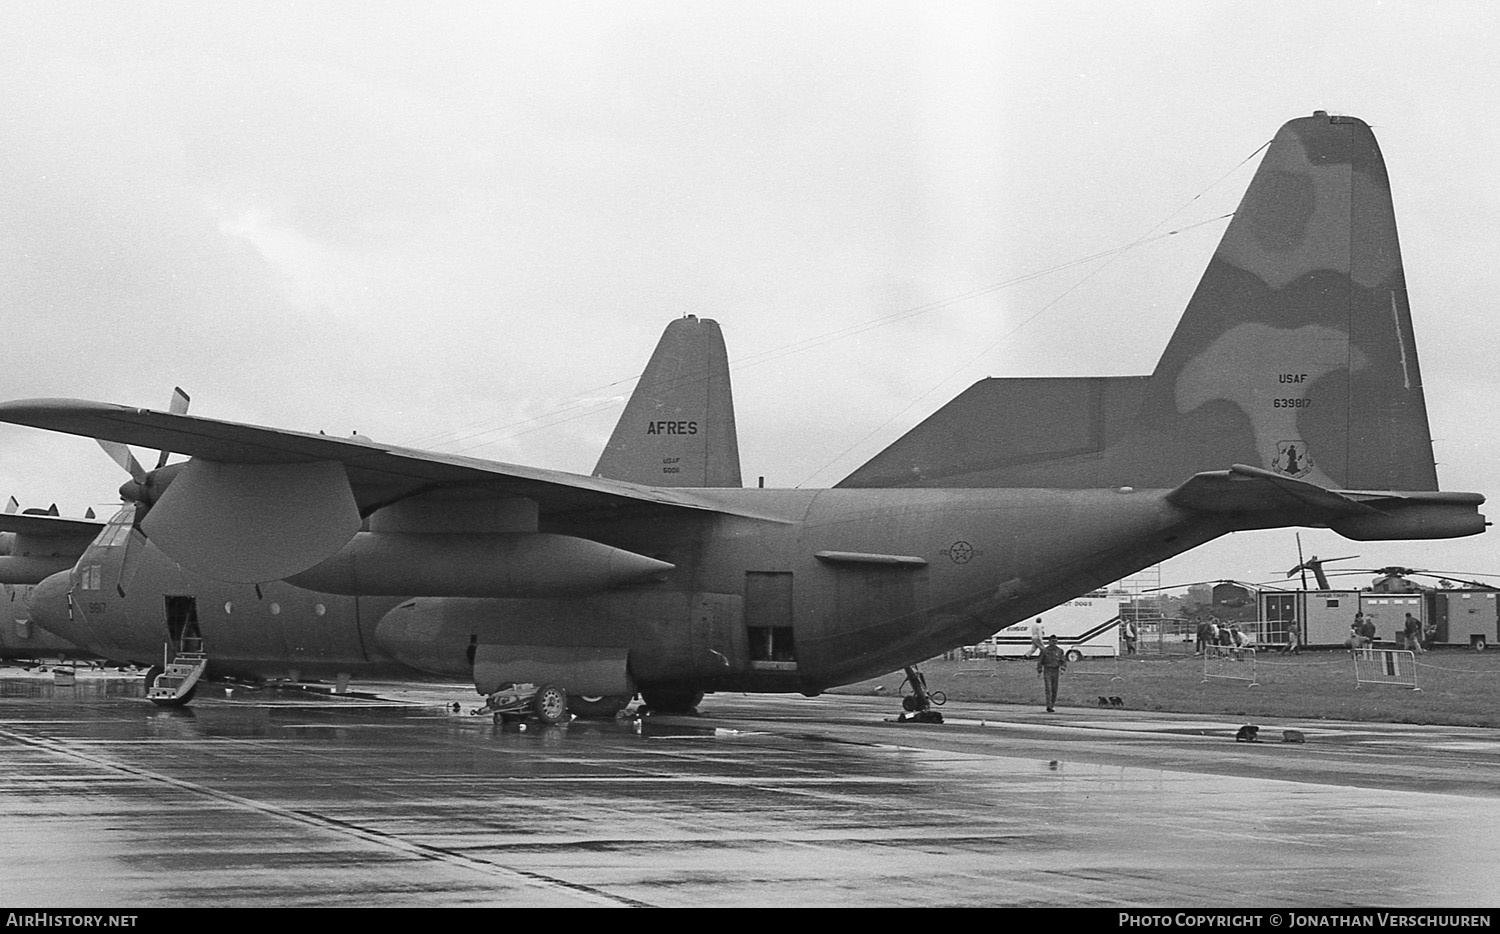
column 1413, row 630
column 1049, row 665
column 1036, row 638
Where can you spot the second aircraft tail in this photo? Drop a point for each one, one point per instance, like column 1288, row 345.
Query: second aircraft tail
column 678, row 429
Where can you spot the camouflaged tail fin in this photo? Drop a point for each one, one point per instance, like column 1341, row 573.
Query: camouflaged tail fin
column 1296, row 353
column 678, row 430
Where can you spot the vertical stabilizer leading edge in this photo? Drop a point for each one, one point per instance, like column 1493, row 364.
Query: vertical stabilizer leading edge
column 1295, row 356
column 678, row 430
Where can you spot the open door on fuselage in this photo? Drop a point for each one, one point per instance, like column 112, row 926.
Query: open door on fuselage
column 183, row 634
column 769, row 621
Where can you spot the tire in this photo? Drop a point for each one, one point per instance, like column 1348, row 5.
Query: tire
column 598, row 707
column 1477, row 643
column 672, row 701
column 550, row 704
column 1073, row 655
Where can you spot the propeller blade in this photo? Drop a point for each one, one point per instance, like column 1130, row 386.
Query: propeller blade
column 120, row 454
column 178, row 406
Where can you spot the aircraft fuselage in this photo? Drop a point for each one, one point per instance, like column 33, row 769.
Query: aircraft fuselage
column 783, row 590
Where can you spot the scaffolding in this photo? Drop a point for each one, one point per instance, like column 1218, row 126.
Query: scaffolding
column 1142, row 601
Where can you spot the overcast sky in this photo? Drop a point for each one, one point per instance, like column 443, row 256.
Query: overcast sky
column 462, row 226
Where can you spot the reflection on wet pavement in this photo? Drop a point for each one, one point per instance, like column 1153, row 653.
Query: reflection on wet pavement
column 271, row 799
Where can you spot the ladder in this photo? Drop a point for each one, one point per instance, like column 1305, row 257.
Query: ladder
column 179, row 678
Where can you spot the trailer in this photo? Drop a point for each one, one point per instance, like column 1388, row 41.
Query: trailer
column 1088, row 627
column 1466, row 617
column 1453, row 617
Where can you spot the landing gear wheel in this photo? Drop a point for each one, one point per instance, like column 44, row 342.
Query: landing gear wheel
column 149, row 678
column 919, row 703
column 672, row 701
column 598, row 706
column 550, row 704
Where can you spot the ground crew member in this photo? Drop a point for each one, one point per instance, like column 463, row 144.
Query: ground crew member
column 1036, row 638
column 1051, row 663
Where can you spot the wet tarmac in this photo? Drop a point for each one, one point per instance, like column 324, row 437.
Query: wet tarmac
column 275, row 798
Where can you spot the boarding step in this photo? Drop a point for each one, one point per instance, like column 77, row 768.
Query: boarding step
column 180, row 677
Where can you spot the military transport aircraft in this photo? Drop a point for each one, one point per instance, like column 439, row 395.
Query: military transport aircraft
column 684, row 401
column 1289, row 395
column 34, row 544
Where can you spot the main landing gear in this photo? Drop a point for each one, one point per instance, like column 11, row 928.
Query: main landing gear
column 551, row 704
column 919, row 702
column 547, row 702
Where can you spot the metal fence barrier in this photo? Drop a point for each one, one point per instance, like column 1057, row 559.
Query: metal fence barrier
column 1229, row 663
column 1396, row 667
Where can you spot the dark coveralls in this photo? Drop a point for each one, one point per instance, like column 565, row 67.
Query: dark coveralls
column 1049, row 665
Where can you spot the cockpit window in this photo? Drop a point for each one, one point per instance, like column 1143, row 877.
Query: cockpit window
column 118, row 529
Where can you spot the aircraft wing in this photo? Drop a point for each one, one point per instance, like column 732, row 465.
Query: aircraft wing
column 48, row 526
column 1252, row 496
column 261, row 504
column 378, row 473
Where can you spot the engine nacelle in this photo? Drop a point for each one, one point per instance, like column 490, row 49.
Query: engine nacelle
column 510, row 564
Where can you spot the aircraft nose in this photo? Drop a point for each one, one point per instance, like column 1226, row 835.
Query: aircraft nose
column 48, row 608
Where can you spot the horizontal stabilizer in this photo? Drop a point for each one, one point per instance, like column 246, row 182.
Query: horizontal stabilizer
column 1251, row 497
column 1243, row 489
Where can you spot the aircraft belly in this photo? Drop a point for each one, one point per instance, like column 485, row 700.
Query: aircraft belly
column 666, row 635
